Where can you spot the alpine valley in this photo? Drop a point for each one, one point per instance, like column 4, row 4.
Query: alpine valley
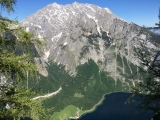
column 89, row 52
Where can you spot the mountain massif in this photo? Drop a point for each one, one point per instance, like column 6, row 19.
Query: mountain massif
column 89, row 52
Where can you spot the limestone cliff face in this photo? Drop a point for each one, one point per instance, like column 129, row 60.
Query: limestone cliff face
column 77, row 32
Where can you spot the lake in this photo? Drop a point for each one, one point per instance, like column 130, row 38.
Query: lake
column 114, row 108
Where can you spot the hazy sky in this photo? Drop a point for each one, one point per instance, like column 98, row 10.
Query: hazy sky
column 141, row 12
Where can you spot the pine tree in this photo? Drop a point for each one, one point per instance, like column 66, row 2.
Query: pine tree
column 16, row 63
column 149, row 88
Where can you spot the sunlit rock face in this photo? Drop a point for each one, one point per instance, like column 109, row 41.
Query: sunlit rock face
column 77, row 32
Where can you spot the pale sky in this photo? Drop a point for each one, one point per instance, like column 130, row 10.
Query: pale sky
column 140, row 12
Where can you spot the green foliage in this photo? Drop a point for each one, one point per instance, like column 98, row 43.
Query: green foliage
column 89, row 81
column 21, row 105
column 8, row 5
column 15, row 54
column 16, row 63
column 108, row 81
column 78, row 95
column 67, row 112
column 149, row 88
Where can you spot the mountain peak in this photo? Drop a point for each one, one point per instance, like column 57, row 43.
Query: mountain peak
column 108, row 10
column 55, row 4
column 75, row 3
column 86, row 29
column 90, row 43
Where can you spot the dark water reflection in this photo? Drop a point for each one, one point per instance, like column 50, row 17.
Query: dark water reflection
column 114, row 108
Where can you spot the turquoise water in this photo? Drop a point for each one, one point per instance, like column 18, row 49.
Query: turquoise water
column 114, row 108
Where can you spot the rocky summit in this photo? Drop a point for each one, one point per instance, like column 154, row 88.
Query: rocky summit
column 76, row 34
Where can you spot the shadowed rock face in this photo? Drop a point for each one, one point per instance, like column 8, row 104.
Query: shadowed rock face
column 77, row 32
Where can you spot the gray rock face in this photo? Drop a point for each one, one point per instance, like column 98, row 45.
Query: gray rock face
column 77, row 32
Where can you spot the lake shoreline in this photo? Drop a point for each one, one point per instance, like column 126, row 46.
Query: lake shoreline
column 98, row 104
column 114, row 107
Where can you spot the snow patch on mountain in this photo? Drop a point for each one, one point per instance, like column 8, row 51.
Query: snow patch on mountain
column 77, row 32
column 108, row 10
column 27, row 29
column 91, row 8
column 65, row 43
column 74, row 13
column 39, row 36
column 56, row 38
column 46, row 55
column 38, row 26
column 90, row 17
column 96, row 20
